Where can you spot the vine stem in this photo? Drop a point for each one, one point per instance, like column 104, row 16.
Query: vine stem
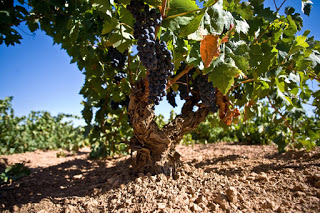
column 130, row 72
column 277, row 10
column 283, row 118
column 242, row 82
column 163, row 8
column 182, row 14
column 171, row 82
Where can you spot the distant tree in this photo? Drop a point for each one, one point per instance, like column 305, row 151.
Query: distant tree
column 226, row 54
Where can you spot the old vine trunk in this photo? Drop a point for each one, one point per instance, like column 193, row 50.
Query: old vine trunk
column 155, row 147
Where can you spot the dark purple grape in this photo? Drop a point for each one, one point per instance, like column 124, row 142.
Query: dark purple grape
column 153, row 54
column 206, row 92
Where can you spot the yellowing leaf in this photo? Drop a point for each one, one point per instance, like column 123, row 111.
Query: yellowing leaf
column 209, row 48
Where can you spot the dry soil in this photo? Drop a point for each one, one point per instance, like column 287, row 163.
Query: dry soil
column 220, row 177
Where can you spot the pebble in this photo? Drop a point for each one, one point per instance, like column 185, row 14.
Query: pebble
column 111, row 180
column 138, row 180
column 222, row 201
column 300, row 194
column 290, row 171
column 115, row 183
column 78, row 176
column 301, row 188
column 317, row 184
column 202, row 206
column 15, row 208
column 280, row 210
column 196, row 208
column 161, row 205
column 232, row 194
column 285, row 203
column 262, row 176
column 268, row 205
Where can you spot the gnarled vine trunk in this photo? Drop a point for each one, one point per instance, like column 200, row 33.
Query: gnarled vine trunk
column 156, row 147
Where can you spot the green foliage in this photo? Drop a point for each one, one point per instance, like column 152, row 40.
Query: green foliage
column 210, row 131
column 266, row 54
column 39, row 130
column 264, row 128
column 14, row 172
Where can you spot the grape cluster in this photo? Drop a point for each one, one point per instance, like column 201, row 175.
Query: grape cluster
column 171, row 98
column 118, row 59
column 153, row 54
column 206, row 92
column 125, row 103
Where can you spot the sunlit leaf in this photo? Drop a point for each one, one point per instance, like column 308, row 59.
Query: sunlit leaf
column 209, row 49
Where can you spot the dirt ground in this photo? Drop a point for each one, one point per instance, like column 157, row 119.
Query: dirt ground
column 214, row 178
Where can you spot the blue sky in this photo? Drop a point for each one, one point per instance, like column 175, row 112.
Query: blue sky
column 40, row 77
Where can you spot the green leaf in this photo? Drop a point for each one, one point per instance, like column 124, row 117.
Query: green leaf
column 217, row 18
column 102, row 5
column 242, row 26
column 121, row 39
column 281, row 142
column 181, row 6
column 174, row 24
column 286, row 100
column 33, row 25
column 192, row 26
column 108, row 25
column 222, row 73
column 74, row 32
column 210, row 3
column 306, row 7
column 289, row 10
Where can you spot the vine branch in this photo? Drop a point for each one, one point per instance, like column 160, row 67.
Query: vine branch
column 182, row 14
column 171, row 82
column 242, row 82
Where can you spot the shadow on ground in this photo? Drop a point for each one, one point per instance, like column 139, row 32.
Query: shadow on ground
column 79, row 177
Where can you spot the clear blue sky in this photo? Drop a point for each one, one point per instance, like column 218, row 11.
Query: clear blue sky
column 40, row 77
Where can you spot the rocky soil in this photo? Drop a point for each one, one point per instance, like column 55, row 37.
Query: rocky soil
column 214, row 178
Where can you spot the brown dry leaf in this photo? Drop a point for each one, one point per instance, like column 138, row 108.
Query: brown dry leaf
column 220, row 103
column 209, row 48
column 230, row 115
column 225, row 39
column 226, row 114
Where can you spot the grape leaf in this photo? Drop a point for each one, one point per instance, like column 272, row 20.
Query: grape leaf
column 306, row 7
column 101, row 5
column 209, row 48
column 192, row 26
column 222, row 72
column 242, row 26
column 109, row 25
column 217, row 19
column 181, row 6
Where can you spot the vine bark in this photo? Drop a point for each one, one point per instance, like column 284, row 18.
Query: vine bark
column 155, row 147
